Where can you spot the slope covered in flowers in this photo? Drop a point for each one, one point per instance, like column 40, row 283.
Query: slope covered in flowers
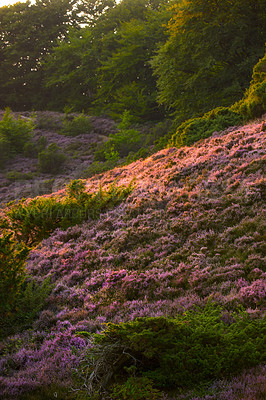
column 190, row 232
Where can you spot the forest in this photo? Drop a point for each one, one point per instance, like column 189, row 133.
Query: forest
column 151, row 57
column 132, row 197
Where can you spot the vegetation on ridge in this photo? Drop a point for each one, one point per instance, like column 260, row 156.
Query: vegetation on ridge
column 151, row 285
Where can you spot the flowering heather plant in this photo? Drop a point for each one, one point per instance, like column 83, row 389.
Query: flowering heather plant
column 191, row 232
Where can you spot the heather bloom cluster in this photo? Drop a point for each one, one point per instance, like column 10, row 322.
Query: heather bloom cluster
column 189, row 233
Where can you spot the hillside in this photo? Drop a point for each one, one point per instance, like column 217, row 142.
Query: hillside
column 21, row 176
column 190, row 233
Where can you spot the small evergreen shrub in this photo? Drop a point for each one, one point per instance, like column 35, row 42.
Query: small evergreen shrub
column 51, row 160
column 195, row 129
column 31, row 149
column 253, row 105
column 78, row 125
column 35, row 220
column 16, row 131
column 12, row 272
column 120, row 144
column 27, row 304
column 183, row 352
column 143, row 152
column 18, row 176
column 48, row 121
column 14, row 134
column 5, row 150
column 136, row 388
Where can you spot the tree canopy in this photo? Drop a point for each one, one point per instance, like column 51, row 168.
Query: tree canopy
column 152, row 57
column 208, row 58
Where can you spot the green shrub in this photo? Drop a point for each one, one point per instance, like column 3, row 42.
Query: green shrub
column 143, row 152
column 16, row 131
column 136, row 388
column 76, row 126
column 12, row 272
column 183, row 352
column 120, row 144
column 51, row 160
column 18, row 176
column 31, row 149
column 48, row 122
column 253, row 105
column 5, row 150
column 200, row 128
column 27, row 304
column 14, row 134
column 36, row 219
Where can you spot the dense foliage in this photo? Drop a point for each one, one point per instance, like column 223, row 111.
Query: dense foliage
column 33, row 220
column 185, row 351
column 108, row 57
column 191, row 232
column 28, row 32
column 14, row 136
column 251, row 106
column 146, row 282
column 208, row 58
column 12, row 272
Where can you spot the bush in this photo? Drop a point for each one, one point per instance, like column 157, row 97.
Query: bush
column 27, row 304
column 14, row 134
column 200, row 128
column 18, row 176
column 134, row 388
column 16, row 131
column 253, row 105
column 5, row 150
column 182, row 352
column 31, row 149
column 50, row 161
column 12, row 272
column 120, row 144
column 35, row 220
column 76, row 126
column 48, row 121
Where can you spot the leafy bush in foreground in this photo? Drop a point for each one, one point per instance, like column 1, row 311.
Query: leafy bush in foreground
column 182, row 352
column 35, row 220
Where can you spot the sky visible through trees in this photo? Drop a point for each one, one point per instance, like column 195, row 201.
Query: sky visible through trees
column 7, row 2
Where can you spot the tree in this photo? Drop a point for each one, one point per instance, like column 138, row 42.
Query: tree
column 208, row 58
column 125, row 77
column 28, row 32
column 106, row 64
